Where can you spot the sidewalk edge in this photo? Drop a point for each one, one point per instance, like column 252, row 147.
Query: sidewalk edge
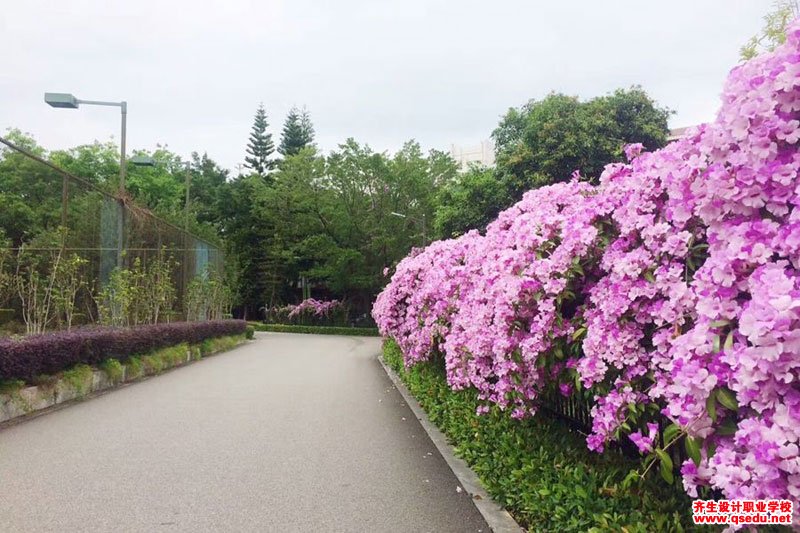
column 499, row 520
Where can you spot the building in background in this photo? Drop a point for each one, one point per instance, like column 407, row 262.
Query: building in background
column 677, row 133
column 482, row 154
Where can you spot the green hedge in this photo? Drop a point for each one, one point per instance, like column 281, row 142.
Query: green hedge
column 319, row 330
column 537, row 468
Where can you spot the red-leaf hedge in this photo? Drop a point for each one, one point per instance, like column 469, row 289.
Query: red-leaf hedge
column 49, row 353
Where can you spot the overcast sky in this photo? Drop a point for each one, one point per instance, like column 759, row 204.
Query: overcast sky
column 441, row 72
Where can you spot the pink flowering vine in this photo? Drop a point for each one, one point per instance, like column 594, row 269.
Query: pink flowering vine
column 670, row 289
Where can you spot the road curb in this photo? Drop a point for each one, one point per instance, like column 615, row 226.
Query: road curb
column 499, row 520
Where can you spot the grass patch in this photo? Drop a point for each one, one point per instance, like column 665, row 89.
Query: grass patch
column 134, row 368
column 153, row 364
column 79, row 378
column 537, row 468
column 11, row 386
column 318, row 330
column 113, row 369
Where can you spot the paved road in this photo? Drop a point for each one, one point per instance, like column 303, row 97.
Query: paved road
column 286, row 433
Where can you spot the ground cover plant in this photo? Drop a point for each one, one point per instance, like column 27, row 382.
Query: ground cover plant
column 537, row 468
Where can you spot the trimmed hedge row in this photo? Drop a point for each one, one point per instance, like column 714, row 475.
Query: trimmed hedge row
column 538, row 469
column 50, row 353
column 318, row 330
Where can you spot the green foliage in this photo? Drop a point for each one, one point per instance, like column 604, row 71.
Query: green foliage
column 468, row 202
column 538, row 469
column 250, row 332
column 134, row 368
column 6, row 315
column 30, row 193
column 116, row 298
column 79, row 378
column 209, row 297
column 328, row 219
column 40, row 277
column 260, row 147
column 113, row 369
column 11, row 386
column 152, row 364
column 298, row 132
column 774, row 32
column 142, row 294
column 219, row 344
column 6, row 275
column 545, row 141
column 69, row 281
column 316, row 330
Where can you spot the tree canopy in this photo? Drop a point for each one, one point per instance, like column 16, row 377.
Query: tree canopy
column 545, row 141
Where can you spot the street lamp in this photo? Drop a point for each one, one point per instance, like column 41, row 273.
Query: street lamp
column 424, row 236
column 69, row 101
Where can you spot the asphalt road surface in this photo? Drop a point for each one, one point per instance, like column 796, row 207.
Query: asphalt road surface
column 285, row 433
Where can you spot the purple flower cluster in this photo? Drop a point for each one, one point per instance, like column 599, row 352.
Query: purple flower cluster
column 314, row 307
column 671, row 289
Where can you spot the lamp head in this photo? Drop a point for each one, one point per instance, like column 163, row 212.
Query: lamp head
column 64, row 100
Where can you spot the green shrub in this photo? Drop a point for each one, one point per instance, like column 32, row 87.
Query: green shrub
column 113, row 370
column 318, row 330
column 537, row 468
column 153, row 364
column 11, row 386
column 172, row 356
column 250, row 332
column 135, row 368
column 79, row 378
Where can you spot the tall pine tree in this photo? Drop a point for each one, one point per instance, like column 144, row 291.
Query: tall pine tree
column 260, row 147
column 298, row 132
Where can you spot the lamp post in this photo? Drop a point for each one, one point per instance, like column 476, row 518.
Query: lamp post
column 69, row 101
column 424, row 235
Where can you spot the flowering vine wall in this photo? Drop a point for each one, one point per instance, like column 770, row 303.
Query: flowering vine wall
column 670, row 289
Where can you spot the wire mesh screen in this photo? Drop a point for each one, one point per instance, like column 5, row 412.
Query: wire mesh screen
column 103, row 230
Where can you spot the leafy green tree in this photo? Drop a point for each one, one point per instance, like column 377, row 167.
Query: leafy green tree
column 96, row 162
column 470, row 201
column 30, row 193
column 260, row 146
column 545, row 141
column 208, row 182
column 298, row 132
column 774, row 32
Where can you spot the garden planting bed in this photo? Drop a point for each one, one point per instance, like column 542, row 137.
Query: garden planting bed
column 43, row 371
